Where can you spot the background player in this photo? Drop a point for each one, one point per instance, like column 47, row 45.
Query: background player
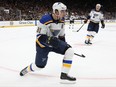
column 51, row 37
column 95, row 17
column 72, row 18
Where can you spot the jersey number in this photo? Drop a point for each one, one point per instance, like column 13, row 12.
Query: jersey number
column 38, row 30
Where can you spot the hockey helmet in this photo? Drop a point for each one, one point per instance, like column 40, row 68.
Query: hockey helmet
column 58, row 6
column 98, row 6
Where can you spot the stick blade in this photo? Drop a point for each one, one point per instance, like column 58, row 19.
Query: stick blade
column 83, row 56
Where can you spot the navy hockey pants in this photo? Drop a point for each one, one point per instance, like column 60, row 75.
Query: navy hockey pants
column 93, row 27
column 42, row 53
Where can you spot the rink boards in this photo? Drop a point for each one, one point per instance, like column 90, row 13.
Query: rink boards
column 23, row 23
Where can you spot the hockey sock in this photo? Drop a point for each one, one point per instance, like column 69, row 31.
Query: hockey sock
column 87, row 39
column 32, row 67
column 92, row 35
column 67, row 61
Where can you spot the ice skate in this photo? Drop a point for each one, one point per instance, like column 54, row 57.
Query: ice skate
column 88, row 42
column 66, row 79
column 23, row 72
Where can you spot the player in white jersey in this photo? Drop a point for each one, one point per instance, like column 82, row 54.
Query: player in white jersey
column 95, row 17
column 51, row 38
column 72, row 18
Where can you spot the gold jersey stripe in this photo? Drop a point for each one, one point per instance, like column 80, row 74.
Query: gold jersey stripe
column 42, row 46
column 48, row 22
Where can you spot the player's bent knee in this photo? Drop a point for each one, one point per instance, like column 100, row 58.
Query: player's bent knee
column 68, row 46
column 41, row 63
column 40, row 66
column 69, row 54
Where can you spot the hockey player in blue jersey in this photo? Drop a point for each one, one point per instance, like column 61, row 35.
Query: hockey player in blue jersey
column 51, row 38
column 95, row 17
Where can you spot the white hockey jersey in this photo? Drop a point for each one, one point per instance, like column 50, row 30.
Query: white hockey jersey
column 51, row 27
column 72, row 18
column 96, row 16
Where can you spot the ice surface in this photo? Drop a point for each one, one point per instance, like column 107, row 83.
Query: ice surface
column 17, row 50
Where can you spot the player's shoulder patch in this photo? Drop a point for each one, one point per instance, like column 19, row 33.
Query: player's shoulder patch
column 46, row 19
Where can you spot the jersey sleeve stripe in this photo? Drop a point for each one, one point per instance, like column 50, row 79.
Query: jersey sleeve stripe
column 48, row 22
column 42, row 46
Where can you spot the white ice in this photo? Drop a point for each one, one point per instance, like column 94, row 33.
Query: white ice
column 17, row 50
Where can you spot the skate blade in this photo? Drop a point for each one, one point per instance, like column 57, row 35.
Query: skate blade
column 67, row 82
column 88, row 44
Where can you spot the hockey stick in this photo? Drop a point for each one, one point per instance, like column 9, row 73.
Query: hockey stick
column 79, row 55
column 80, row 28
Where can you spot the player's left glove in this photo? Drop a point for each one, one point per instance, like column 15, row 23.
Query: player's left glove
column 103, row 25
column 53, row 41
column 48, row 41
column 85, row 21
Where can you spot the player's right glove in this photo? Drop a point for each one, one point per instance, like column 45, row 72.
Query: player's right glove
column 85, row 21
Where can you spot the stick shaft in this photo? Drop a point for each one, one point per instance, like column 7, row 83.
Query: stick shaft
column 80, row 55
column 80, row 28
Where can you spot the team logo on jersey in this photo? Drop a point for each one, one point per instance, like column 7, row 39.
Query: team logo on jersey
column 38, row 30
column 95, row 15
column 54, row 32
column 43, row 59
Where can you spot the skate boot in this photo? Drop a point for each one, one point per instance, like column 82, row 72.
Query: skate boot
column 88, row 42
column 65, row 79
column 23, row 72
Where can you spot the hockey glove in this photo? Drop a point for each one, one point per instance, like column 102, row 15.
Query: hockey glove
column 49, row 41
column 53, row 41
column 62, row 38
column 85, row 21
column 103, row 26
